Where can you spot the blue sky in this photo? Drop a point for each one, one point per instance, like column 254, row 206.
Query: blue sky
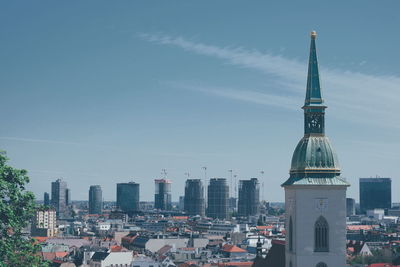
column 100, row 92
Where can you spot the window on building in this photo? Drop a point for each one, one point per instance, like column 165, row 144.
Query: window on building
column 290, row 234
column 321, row 236
column 322, row 264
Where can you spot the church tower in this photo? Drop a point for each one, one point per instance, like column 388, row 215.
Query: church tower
column 315, row 194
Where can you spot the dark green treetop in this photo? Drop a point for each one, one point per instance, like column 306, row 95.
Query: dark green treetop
column 17, row 207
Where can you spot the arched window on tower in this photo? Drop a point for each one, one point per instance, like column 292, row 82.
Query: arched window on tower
column 290, row 234
column 322, row 264
column 321, row 236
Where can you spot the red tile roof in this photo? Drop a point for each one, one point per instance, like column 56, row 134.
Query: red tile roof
column 360, row 227
column 164, row 249
column 188, row 264
column 116, row 248
column 232, row 249
column 382, row 265
column 52, row 255
column 265, row 227
column 40, row 239
column 128, row 238
column 187, row 249
column 180, row 217
column 236, row 263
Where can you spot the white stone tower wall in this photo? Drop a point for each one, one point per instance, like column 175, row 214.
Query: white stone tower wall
column 305, row 204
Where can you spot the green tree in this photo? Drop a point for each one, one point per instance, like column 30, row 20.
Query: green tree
column 378, row 256
column 17, row 207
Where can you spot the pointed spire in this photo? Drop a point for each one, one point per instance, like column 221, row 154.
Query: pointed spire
column 313, row 95
column 259, row 247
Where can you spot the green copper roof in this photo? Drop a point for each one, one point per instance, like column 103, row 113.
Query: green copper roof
column 314, row 152
column 316, row 181
column 314, row 160
column 313, row 94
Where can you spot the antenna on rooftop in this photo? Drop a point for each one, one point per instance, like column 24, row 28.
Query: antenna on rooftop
column 205, row 185
column 231, row 189
column 164, row 173
column 205, row 175
column 235, row 196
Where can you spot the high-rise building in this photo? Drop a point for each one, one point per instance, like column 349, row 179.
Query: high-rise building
column 249, row 197
column 232, row 204
column 350, row 207
column 46, row 199
column 181, row 204
column 315, row 194
column 68, row 200
column 95, row 199
column 194, row 197
column 44, row 223
column 162, row 196
column 375, row 193
column 59, row 199
column 218, row 194
column 128, row 197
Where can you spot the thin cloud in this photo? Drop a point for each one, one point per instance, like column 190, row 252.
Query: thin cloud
column 269, row 64
column 286, row 102
column 355, row 96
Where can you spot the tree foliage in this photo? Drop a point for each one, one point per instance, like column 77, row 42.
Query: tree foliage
column 377, row 257
column 17, row 208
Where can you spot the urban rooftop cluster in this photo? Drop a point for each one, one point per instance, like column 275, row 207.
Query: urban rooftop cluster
column 317, row 226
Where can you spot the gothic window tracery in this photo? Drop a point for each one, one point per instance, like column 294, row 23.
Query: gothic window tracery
column 321, row 235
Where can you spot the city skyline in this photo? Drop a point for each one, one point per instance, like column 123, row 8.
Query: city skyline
column 109, row 99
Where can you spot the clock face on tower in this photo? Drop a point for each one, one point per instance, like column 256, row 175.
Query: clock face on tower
column 314, row 123
column 321, row 204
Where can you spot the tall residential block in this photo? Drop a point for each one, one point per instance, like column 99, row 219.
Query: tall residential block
column 375, row 193
column 181, row 204
column 350, row 207
column 218, row 194
column 46, row 199
column 68, row 200
column 59, row 199
column 44, row 223
column 249, row 197
column 162, row 196
column 128, row 197
column 194, row 197
column 95, row 199
column 232, row 204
